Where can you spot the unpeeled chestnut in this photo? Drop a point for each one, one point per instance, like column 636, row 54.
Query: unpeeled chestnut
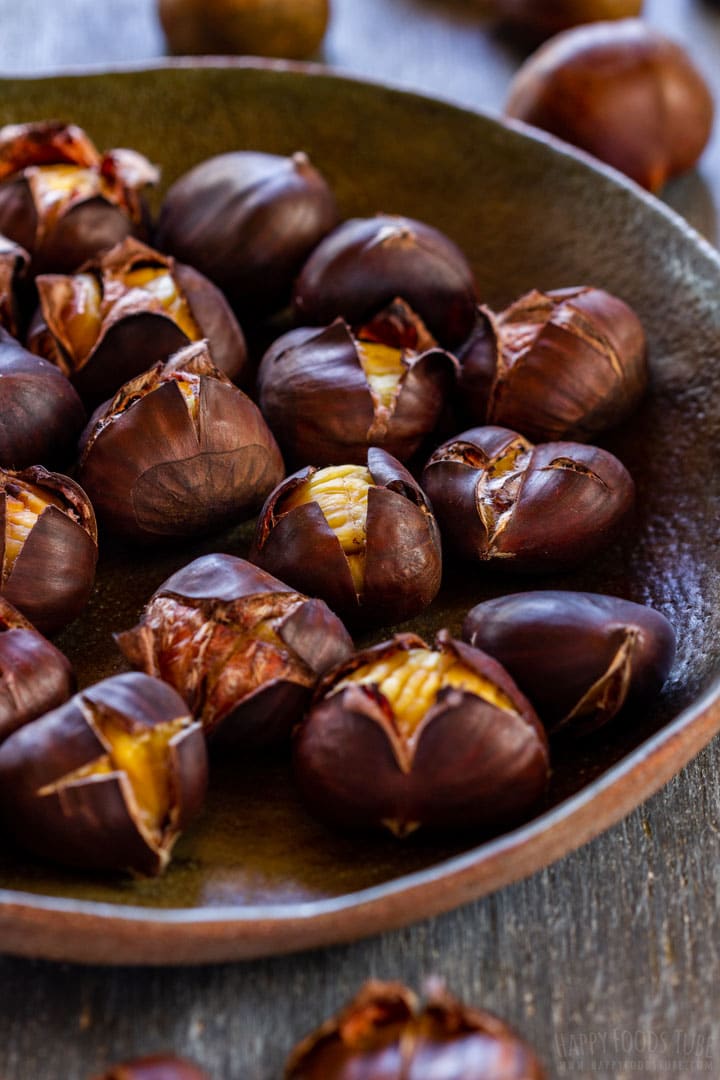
column 157, row 1067
column 542, row 20
column 14, row 261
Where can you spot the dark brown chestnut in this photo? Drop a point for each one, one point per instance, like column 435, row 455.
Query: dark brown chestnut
column 623, row 92
column 564, row 364
column 385, row 1034
column 367, row 262
column 248, row 221
column 362, row 537
column 527, row 508
column 109, row 780
column 48, row 539
column 330, row 394
column 579, row 657
column 542, row 20
column 289, row 29
column 14, row 262
column 35, row 677
column 179, row 451
column 127, row 310
column 243, row 649
column 403, row 735
column 62, row 200
column 157, row 1067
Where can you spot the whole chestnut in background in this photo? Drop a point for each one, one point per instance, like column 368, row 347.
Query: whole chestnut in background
column 285, row 28
column 157, row 1067
column 14, row 261
column 623, row 92
column 540, row 19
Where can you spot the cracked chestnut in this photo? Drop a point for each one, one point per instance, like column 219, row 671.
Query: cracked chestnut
column 403, row 735
column 564, row 364
column 243, row 649
column 48, row 540
column 363, row 537
column 64, row 201
column 109, row 780
column 528, row 508
column 330, row 394
column 157, row 1067
column 179, row 451
column 367, row 262
column 579, row 657
column 385, row 1033
column 127, row 310
column 14, row 262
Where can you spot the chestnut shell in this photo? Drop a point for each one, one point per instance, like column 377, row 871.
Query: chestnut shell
column 14, row 261
column 157, row 1067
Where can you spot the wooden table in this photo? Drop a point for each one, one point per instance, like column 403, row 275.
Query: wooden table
column 609, row 961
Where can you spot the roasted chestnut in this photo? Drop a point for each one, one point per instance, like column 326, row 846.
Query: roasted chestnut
column 35, row 677
column 109, row 780
column 42, row 414
column 579, row 657
column 404, row 735
column 49, row 546
column 385, row 1034
column 330, row 394
column 362, row 537
column 14, row 262
column 367, row 262
column 527, row 508
column 623, row 92
column 62, row 200
column 158, row 1067
column 248, row 221
column 129, row 309
column 179, row 451
column 242, row 648
column 292, row 29
column 564, row 364
column 542, row 20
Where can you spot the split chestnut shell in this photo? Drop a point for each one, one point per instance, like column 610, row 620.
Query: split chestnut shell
column 14, row 262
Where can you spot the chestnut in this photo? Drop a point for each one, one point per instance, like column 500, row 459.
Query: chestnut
column 367, row 262
column 527, row 508
column 157, row 1067
column 542, row 20
column 564, row 364
column 35, row 677
column 179, row 451
column 403, row 735
column 243, row 649
column 124, row 312
column 363, row 537
column 290, row 29
column 623, row 92
column 14, row 262
column 248, row 221
column 385, row 1034
column 579, row 657
column 62, row 200
column 330, row 394
column 49, row 546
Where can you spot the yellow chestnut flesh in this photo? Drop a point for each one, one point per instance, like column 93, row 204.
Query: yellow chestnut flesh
column 82, row 315
column 189, row 387
column 55, row 185
column 23, row 506
column 160, row 285
column 384, row 368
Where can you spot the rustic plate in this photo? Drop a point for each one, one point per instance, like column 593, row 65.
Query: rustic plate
column 257, row 875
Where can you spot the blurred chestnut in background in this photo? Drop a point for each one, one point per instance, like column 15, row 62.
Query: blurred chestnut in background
column 243, row 649
column 540, row 19
column 367, row 262
column 64, row 201
column 179, row 451
column 49, row 546
column 109, row 780
column 126, row 311
column 564, row 364
column 157, row 1067
column 623, row 92
column 362, row 537
column 404, row 735
column 579, row 657
column 526, row 508
column 330, row 394
column 14, row 262
column 248, row 221
column 285, row 28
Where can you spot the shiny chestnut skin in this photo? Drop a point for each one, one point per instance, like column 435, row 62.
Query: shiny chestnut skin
column 316, row 395
column 35, row 677
column 290, row 29
column 541, row 20
column 385, row 1034
column 60, row 808
column 157, row 1067
column 579, row 657
column 248, row 221
column 526, row 508
column 402, row 553
column 179, row 451
column 565, row 364
column 51, row 576
column 205, row 631
column 623, row 92
column 469, row 763
column 14, row 261
column 367, row 262
column 134, row 329
column 103, row 207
